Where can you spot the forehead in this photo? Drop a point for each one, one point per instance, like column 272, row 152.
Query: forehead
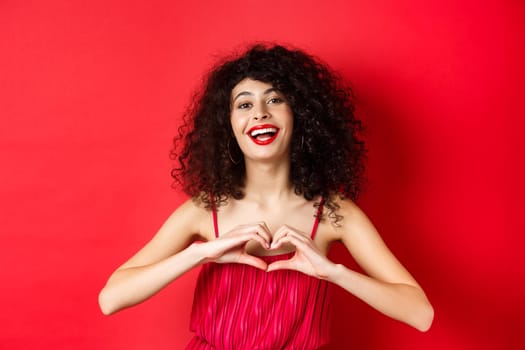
column 250, row 85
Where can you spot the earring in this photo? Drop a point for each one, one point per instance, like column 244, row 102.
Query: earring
column 230, row 154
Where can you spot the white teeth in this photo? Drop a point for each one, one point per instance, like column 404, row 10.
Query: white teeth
column 262, row 131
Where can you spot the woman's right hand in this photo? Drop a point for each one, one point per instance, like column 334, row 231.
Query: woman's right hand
column 170, row 253
column 231, row 247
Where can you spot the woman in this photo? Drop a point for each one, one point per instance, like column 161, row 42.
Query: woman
column 271, row 157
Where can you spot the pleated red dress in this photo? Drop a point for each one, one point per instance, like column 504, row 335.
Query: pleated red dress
column 240, row 307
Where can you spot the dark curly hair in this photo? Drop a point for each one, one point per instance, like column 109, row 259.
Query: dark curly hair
column 327, row 152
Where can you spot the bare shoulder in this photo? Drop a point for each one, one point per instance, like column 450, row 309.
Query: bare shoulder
column 189, row 218
column 352, row 217
column 188, row 223
column 354, row 225
column 347, row 218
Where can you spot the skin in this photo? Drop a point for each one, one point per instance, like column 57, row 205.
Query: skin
column 275, row 221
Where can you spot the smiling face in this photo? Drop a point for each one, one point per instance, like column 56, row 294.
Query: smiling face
column 261, row 119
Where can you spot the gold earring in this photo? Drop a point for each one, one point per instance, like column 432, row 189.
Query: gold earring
column 230, row 154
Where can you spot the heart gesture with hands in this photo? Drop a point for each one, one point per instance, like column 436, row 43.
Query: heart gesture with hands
column 307, row 258
column 231, row 247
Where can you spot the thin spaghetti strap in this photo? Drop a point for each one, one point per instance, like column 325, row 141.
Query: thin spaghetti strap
column 317, row 218
column 214, row 215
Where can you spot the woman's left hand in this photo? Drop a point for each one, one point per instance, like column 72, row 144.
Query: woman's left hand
column 307, row 258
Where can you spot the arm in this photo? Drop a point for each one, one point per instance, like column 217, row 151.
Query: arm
column 388, row 286
column 167, row 256
column 171, row 253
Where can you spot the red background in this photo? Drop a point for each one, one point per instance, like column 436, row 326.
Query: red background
column 91, row 93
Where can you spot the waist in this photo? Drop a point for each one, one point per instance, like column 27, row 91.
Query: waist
column 251, row 307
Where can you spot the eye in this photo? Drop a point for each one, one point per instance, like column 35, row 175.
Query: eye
column 275, row 100
column 244, row 105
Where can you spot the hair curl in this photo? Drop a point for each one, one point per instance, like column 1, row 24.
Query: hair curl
column 327, row 153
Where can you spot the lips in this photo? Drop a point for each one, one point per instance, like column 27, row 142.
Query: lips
column 263, row 134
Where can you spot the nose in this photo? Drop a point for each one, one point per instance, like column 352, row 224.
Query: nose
column 261, row 113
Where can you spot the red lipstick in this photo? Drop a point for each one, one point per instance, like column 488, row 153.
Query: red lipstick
column 263, row 134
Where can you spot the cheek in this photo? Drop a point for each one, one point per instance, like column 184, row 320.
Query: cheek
column 290, row 119
column 238, row 121
column 236, row 126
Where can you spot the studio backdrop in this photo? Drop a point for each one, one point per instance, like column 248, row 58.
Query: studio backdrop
column 92, row 93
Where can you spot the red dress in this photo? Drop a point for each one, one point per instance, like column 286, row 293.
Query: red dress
column 240, row 307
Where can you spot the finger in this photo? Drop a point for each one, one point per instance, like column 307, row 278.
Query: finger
column 281, row 231
column 287, row 231
column 224, row 243
column 253, row 261
column 260, row 229
column 297, row 242
column 293, row 265
column 281, row 265
column 264, row 231
column 278, row 236
column 244, row 238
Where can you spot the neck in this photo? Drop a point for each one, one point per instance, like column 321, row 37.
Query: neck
column 268, row 181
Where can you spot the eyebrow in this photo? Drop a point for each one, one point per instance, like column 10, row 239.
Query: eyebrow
column 248, row 93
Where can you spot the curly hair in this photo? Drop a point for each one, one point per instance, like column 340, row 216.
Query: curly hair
column 327, row 152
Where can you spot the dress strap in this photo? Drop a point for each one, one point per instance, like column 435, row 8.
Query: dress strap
column 214, row 215
column 317, row 218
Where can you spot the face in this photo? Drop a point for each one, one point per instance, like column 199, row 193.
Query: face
column 261, row 119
